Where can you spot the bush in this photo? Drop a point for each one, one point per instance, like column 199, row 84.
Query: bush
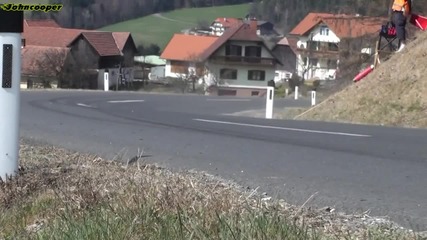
column 294, row 81
column 316, row 84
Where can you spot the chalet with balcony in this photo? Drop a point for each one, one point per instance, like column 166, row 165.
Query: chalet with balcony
column 319, row 36
column 236, row 63
column 240, row 63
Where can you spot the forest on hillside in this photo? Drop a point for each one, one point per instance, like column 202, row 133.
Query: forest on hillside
column 92, row 14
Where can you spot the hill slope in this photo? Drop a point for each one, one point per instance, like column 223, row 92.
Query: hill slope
column 159, row 28
column 393, row 94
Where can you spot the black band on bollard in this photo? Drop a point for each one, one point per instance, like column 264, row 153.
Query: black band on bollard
column 11, row 21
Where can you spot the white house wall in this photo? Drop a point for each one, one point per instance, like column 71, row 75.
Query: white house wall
column 242, row 75
column 331, row 37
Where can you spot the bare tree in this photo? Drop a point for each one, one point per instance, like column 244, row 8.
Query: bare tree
column 50, row 66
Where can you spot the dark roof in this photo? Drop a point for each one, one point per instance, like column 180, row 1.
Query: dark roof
column 103, row 43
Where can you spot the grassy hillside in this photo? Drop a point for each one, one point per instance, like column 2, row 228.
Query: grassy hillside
column 159, row 30
column 393, row 94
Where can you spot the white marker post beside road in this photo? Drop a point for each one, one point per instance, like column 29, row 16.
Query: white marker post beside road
column 106, row 82
column 11, row 27
column 269, row 103
column 313, row 98
column 296, row 92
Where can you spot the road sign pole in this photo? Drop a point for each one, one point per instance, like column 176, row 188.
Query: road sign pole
column 269, row 103
column 11, row 27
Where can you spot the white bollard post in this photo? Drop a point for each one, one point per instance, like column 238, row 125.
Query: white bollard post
column 296, row 92
column 313, row 98
column 11, row 27
column 287, row 92
column 269, row 103
column 106, row 82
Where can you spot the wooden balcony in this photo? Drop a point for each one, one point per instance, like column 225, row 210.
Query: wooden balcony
column 242, row 60
column 320, row 52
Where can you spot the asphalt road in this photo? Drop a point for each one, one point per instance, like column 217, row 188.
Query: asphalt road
column 353, row 168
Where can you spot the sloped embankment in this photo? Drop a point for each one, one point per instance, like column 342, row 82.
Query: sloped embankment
column 394, row 94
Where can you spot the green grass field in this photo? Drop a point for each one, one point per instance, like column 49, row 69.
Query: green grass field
column 154, row 29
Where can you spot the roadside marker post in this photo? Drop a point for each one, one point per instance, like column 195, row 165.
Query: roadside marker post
column 11, row 27
column 313, row 98
column 269, row 103
column 296, row 92
column 106, row 81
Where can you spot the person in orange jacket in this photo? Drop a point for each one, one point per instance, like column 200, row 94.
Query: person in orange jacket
column 401, row 10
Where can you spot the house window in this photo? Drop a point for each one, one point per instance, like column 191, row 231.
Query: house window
column 256, row 75
column 253, row 51
column 332, row 47
column 313, row 61
column 253, row 54
column 233, row 50
column 324, row 31
column 179, row 67
column 227, row 92
column 226, row 73
column 332, row 64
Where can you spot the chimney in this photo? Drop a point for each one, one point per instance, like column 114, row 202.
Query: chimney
column 254, row 25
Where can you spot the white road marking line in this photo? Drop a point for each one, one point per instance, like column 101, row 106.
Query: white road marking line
column 125, row 101
column 228, row 100
column 84, row 105
column 282, row 128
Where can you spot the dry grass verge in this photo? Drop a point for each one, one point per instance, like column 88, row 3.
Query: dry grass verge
column 393, row 95
column 66, row 195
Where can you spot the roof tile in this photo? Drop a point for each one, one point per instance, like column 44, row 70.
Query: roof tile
column 183, row 47
column 103, row 42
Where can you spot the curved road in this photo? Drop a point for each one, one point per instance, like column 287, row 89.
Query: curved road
column 352, row 168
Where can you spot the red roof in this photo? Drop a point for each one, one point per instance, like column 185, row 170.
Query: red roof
column 344, row 26
column 183, row 47
column 103, row 43
column 50, row 36
column 44, row 33
column 121, row 39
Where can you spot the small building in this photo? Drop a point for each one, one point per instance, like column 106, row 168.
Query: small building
column 236, row 63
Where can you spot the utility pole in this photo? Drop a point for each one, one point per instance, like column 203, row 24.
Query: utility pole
column 11, row 27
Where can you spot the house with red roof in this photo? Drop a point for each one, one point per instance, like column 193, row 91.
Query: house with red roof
column 319, row 36
column 236, row 63
column 48, row 50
